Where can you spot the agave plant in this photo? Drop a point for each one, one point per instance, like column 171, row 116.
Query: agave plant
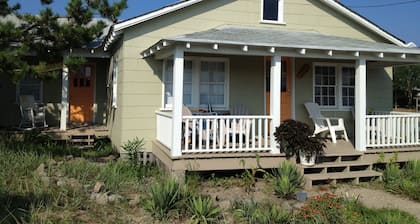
column 287, row 180
column 203, row 210
column 164, row 196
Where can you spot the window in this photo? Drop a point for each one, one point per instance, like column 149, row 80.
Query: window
column 205, row 82
column 334, row 85
column 347, row 86
column 272, row 11
column 30, row 86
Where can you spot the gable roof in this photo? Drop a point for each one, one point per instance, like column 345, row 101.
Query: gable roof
column 119, row 27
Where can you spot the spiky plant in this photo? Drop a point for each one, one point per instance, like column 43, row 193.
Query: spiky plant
column 287, row 180
column 164, row 196
column 202, row 210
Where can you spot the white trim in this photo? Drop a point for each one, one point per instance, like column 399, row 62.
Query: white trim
column 154, row 14
column 64, row 98
column 119, row 27
column 360, row 105
column 275, row 97
column 376, row 29
column 177, row 92
column 293, row 89
column 280, row 14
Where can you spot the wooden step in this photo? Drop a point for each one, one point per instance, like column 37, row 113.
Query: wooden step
column 333, row 177
column 334, row 167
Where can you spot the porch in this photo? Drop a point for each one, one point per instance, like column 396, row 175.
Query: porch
column 201, row 142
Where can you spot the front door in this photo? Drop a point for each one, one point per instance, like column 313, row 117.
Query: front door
column 286, row 77
column 82, row 94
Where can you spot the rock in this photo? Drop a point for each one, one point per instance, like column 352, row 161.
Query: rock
column 135, row 200
column 99, row 186
column 101, row 199
column 61, row 183
column 41, row 170
column 114, row 198
column 68, row 157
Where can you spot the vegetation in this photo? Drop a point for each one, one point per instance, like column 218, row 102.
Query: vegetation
column 164, row 197
column 297, row 137
column 287, row 180
column 45, row 182
column 48, row 35
column 405, row 80
column 250, row 211
column 404, row 180
column 203, row 210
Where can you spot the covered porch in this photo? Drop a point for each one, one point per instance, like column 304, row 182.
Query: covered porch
column 224, row 133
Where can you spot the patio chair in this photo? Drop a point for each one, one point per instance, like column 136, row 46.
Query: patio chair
column 324, row 124
column 31, row 112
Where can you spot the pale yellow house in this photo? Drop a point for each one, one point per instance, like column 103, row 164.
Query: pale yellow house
column 267, row 57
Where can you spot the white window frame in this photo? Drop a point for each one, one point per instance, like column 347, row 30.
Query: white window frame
column 196, row 63
column 338, row 85
column 114, row 83
column 41, row 91
column 280, row 16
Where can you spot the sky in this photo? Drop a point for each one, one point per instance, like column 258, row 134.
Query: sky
column 400, row 17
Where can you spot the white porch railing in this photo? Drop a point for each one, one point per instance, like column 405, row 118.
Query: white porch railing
column 164, row 128
column 203, row 134
column 392, row 129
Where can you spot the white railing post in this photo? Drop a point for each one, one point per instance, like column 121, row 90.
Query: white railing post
column 360, row 107
column 64, row 98
column 275, row 96
column 178, row 81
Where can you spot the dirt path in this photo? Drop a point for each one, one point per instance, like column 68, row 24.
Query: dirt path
column 381, row 199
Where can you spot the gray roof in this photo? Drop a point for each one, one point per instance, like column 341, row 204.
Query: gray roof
column 236, row 35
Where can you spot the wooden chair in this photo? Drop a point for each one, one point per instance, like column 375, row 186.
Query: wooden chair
column 324, row 124
column 31, row 113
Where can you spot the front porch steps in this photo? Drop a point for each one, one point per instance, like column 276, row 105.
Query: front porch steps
column 335, row 167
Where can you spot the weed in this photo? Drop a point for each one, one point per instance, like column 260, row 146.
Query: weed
column 286, row 180
column 164, row 196
column 202, row 210
column 133, row 148
column 249, row 175
column 250, row 211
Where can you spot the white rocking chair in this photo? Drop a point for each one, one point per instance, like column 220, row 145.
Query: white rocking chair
column 323, row 124
column 31, row 113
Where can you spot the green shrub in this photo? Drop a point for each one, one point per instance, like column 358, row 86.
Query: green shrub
column 133, row 148
column 388, row 216
column 202, row 210
column 392, row 176
column 286, row 180
column 164, row 196
column 252, row 212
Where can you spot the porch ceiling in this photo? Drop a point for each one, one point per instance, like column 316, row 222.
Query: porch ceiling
column 258, row 41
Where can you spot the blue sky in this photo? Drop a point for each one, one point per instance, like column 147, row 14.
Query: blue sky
column 403, row 20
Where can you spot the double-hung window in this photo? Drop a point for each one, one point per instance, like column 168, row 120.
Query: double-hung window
column 205, row 82
column 272, row 11
column 30, row 86
column 334, row 85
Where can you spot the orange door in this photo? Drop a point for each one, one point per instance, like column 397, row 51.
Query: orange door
column 286, row 77
column 81, row 94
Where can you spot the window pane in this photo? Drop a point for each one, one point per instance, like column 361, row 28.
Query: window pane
column 212, row 83
column 31, row 86
column 270, row 10
column 325, row 85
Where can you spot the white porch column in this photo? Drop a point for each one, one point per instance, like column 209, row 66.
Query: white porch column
column 64, row 97
column 360, row 105
column 178, row 81
column 275, row 97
